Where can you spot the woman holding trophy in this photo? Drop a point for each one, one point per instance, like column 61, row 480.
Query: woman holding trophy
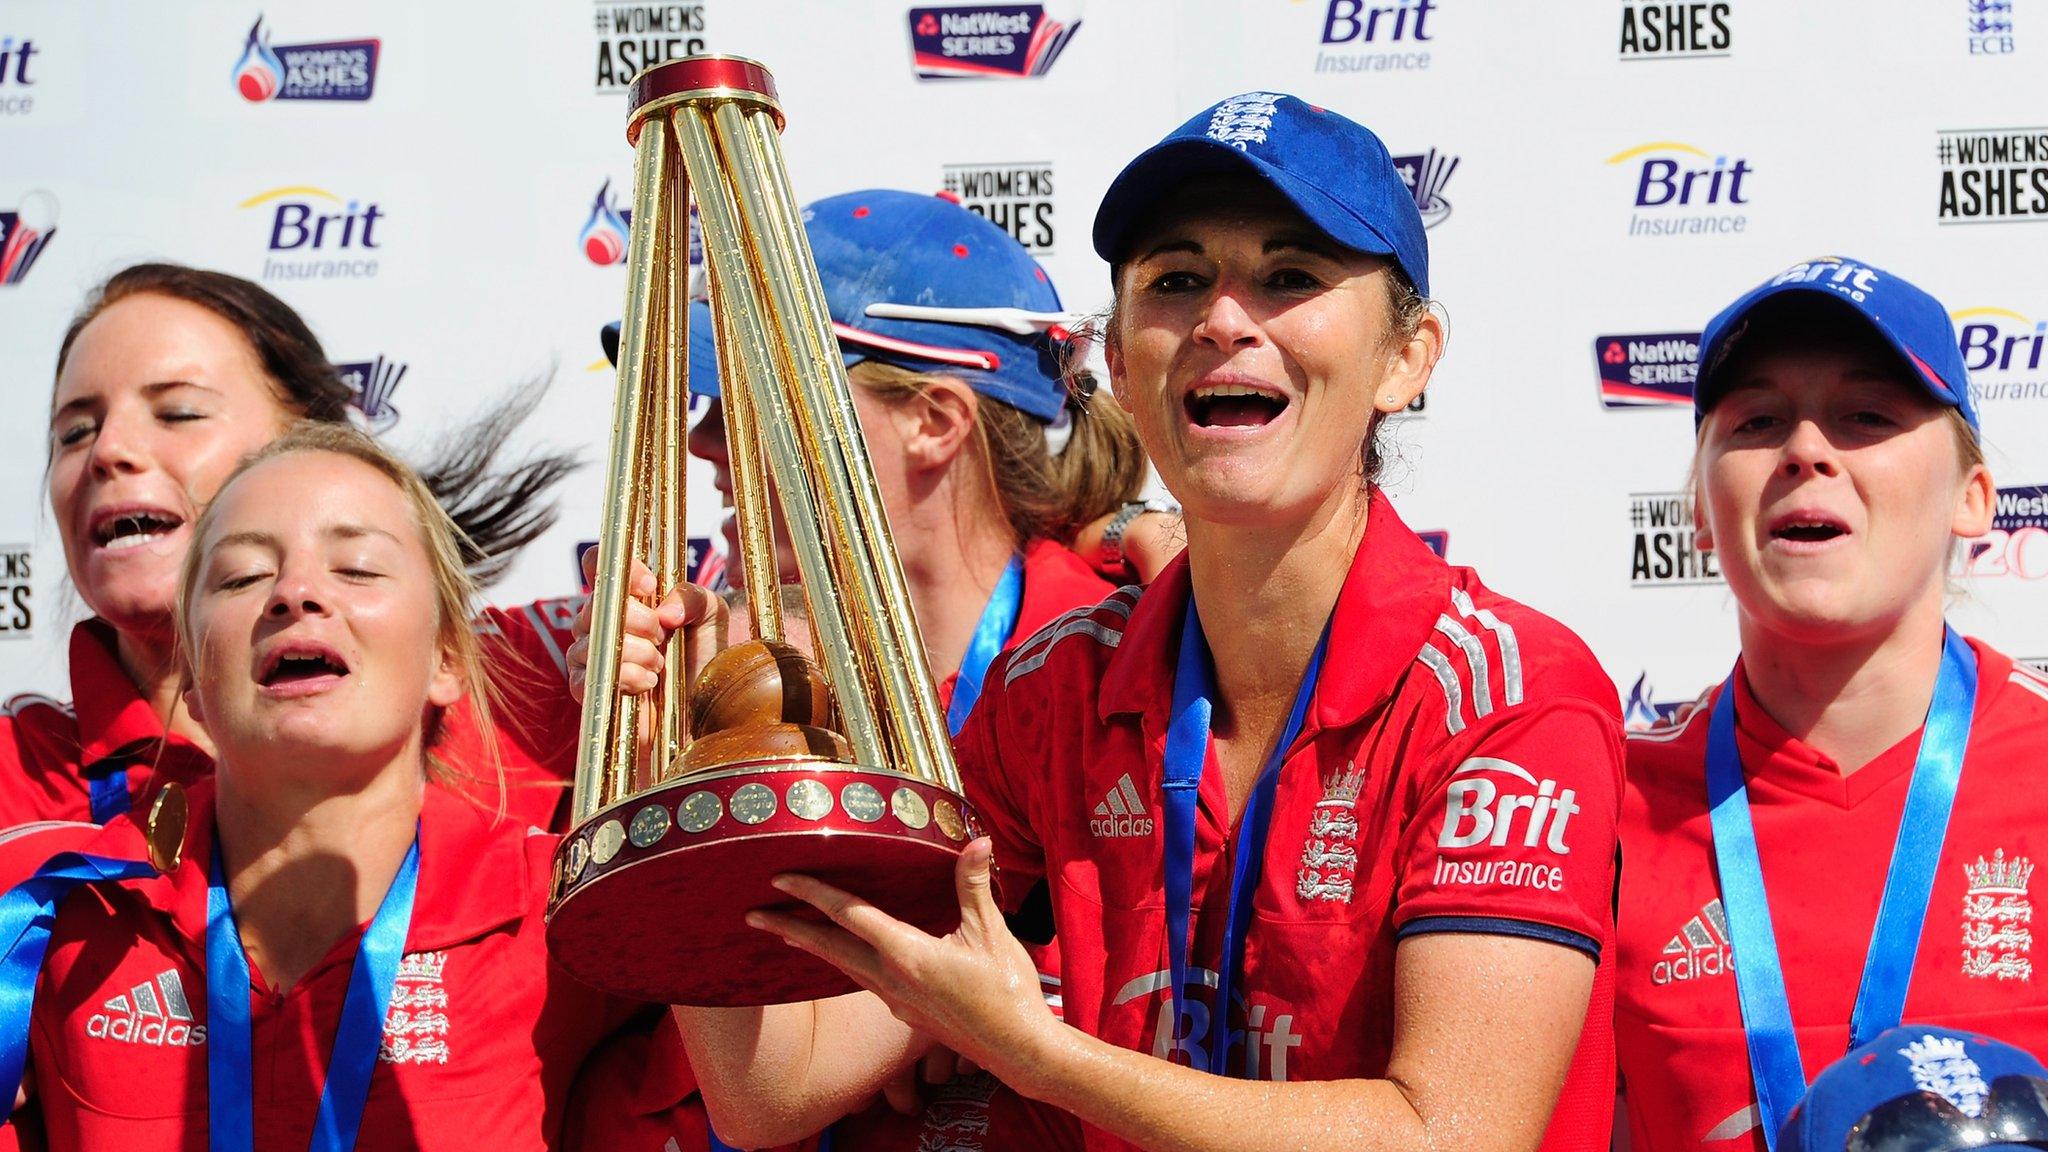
column 1326, row 825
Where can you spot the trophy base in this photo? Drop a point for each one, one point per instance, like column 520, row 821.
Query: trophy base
column 649, row 896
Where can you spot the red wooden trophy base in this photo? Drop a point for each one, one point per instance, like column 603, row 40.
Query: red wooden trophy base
column 650, row 895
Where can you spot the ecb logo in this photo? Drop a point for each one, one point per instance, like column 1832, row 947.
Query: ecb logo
column 332, row 70
column 1679, row 189
column 1426, row 173
column 373, row 382
column 1656, row 370
column 312, row 234
column 1989, row 26
column 2005, row 352
column 1009, row 41
column 25, row 231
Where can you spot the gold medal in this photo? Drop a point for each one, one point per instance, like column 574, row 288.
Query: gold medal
column 166, row 827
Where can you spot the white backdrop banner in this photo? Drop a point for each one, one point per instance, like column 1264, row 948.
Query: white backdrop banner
column 441, row 190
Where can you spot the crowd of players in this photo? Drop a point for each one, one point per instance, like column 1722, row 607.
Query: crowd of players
column 1308, row 839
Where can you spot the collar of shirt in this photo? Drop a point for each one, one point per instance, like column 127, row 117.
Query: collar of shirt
column 114, row 721
column 1056, row 581
column 1392, row 596
column 1771, row 753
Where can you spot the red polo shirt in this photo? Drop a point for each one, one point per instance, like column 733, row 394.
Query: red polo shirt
column 50, row 750
column 1459, row 771
column 1825, row 840
column 482, row 1041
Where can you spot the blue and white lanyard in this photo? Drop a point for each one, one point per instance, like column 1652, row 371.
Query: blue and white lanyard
column 1909, row 880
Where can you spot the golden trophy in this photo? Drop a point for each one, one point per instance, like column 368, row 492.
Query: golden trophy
column 768, row 763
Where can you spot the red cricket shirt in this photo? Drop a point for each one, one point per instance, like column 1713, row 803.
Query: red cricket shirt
column 1825, row 841
column 482, row 1041
column 1459, row 771
column 50, row 750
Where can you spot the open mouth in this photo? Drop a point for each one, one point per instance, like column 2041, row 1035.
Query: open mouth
column 301, row 663
column 118, row 528
column 1808, row 529
column 1233, row 406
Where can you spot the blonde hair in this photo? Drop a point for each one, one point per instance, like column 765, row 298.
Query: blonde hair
column 1042, row 496
column 454, row 590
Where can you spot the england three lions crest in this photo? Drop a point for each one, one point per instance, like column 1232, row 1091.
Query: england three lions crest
column 1329, row 855
column 1997, row 919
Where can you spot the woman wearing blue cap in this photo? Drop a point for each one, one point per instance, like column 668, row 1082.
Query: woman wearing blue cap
column 1840, row 836
column 1330, row 859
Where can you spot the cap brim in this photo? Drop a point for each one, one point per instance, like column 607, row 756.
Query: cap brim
column 1164, row 167
column 702, row 383
column 1730, row 326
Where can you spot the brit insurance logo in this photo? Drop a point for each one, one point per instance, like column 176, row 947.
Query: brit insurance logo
column 1989, row 26
column 1651, row 370
column 1483, row 805
column 2006, row 353
column 1992, row 175
column 2017, row 545
column 1426, row 173
column 1680, row 189
column 15, row 81
column 632, row 38
column 372, row 384
column 1666, row 551
column 25, row 230
column 1014, row 197
column 313, row 234
column 17, row 593
column 1008, row 41
column 329, row 70
column 1376, row 37
column 1658, row 30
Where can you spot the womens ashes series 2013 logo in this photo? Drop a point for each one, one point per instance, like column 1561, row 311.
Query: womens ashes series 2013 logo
column 330, row 70
column 984, row 40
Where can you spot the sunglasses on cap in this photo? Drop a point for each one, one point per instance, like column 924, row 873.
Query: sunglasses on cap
column 2015, row 1113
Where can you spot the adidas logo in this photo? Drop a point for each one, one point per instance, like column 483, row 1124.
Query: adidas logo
column 154, row 1012
column 1121, row 813
column 1699, row 950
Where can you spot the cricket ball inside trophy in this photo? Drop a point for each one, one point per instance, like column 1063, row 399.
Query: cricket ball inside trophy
column 689, row 800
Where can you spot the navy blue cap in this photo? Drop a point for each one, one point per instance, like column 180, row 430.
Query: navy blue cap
column 1911, row 1062
column 1914, row 324
column 1334, row 170
column 920, row 282
column 703, row 349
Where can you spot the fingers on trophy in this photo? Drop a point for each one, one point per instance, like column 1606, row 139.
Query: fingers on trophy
column 768, row 762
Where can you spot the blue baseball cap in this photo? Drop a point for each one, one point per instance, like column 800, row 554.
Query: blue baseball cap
column 920, row 282
column 1926, row 1089
column 1914, row 324
column 1334, row 170
column 703, row 349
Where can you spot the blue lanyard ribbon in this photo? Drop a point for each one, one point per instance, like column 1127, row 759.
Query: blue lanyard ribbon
column 109, row 795
column 28, row 912
column 1909, row 881
column 231, row 1108
column 998, row 622
column 1187, row 751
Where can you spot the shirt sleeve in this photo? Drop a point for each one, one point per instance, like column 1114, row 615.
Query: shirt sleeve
column 1512, row 829
column 999, row 777
column 533, row 717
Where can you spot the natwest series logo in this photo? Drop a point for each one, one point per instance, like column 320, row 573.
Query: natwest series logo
column 1014, row 197
column 1395, row 36
column 1667, row 551
column 1426, row 173
column 1993, row 175
column 331, row 70
column 2017, row 544
column 1990, row 27
column 15, row 100
column 313, row 234
column 999, row 40
column 373, row 382
column 632, row 38
column 1682, row 190
column 1657, row 30
column 2006, row 353
column 25, row 231
column 1653, row 370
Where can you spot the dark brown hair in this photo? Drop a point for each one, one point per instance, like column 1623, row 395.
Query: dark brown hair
column 498, row 509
